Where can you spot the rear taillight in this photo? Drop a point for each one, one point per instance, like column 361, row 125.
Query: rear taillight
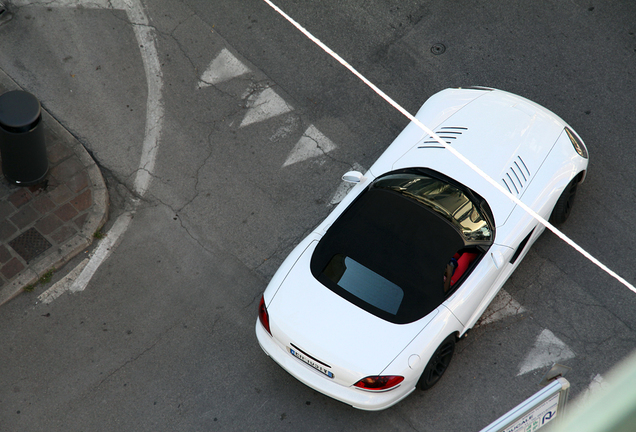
column 379, row 383
column 263, row 316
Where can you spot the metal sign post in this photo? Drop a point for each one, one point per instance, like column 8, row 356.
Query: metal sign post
column 535, row 412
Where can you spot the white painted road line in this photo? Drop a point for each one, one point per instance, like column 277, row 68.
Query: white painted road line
column 63, row 285
column 598, row 383
column 223, row 68
column 264, row 105
column 312, row 144
column 291, row 123
column 105, row 248
column 77, row 279
column 454, row 151
column 154, row 79
column 144, row 33
column 547, row 350
column 502, row 306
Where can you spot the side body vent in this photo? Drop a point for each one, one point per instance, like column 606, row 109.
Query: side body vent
column 447, row 133
column 517, row 176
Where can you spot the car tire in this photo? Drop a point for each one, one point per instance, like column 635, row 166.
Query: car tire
column 563, row 206
column 438, row 364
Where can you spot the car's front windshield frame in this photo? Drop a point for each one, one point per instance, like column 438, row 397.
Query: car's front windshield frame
column 458, row 204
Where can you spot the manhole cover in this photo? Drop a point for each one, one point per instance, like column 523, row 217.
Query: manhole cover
column 30, row 244
column 438, row 49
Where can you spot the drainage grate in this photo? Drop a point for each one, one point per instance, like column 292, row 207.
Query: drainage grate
column 30, row 244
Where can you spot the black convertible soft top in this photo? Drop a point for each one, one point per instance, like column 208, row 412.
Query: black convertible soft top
column 398, row 239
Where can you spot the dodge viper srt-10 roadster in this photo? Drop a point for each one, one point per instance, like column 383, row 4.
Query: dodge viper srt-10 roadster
column 369, row 306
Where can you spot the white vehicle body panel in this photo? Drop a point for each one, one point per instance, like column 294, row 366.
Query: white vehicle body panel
column 312, row 318
column 516, row 142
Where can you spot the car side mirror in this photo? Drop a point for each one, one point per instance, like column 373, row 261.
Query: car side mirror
column 353, row 177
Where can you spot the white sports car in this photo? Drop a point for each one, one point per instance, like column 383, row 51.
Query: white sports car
column 369, row 306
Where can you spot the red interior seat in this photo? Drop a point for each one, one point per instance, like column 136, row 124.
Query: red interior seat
column 462, row 264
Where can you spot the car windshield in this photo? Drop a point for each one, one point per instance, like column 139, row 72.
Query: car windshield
column 444, row 198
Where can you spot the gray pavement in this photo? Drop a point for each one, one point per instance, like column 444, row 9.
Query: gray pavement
column 43, row 226
column 163, row 336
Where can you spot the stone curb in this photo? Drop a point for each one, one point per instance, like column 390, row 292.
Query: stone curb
column 97, row 216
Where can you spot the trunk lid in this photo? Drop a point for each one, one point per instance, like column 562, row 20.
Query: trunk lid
column 332, row 334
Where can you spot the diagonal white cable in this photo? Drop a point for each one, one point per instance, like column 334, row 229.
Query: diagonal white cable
column 461, row 157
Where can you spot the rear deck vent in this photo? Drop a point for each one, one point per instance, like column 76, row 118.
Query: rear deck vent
column 517, row 176
column 447, row 133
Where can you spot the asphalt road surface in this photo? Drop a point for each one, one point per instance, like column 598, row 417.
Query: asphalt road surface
column 242, row 128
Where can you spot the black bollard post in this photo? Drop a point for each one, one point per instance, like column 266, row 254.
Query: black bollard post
column 22, row 146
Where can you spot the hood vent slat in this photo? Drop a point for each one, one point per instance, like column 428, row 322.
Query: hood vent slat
column 446, row 133
column 517, row 176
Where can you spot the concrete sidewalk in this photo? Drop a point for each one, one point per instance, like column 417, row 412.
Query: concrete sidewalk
column 44, row 226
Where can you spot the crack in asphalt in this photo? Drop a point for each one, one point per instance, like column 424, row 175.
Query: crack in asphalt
column 129, row 361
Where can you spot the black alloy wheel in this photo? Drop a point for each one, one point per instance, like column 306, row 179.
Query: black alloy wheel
column 563, row 206
column 438, row 364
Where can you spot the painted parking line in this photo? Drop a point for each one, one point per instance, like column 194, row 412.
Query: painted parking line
column 144, row 33
column 502, row 306
column 103, row 251
column 224, row 67
column 289, row 126
column 547, row 350
column 312, row 144
column 598, row 383
column 78, row 278
column 264, row 105
column 63, row 285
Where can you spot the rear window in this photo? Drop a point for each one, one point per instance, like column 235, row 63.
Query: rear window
column 364, row 283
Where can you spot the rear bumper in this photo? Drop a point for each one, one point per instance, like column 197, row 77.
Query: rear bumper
column 360, row 399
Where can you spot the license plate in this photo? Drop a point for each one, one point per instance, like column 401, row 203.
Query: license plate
column 300, row 356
